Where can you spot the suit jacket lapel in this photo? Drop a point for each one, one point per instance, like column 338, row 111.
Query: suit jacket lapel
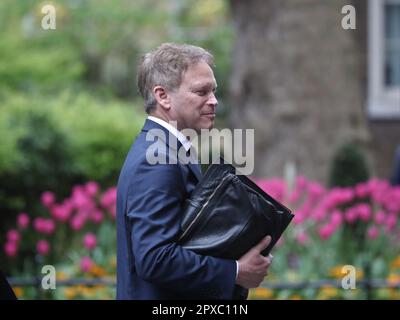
column 195, row 167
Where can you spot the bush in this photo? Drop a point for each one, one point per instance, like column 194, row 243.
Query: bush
column 349, row 166
column 50, row 144
column 100, row 134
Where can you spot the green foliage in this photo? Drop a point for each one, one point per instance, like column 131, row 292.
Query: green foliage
column 97, row 44
column 23, row 65
column 57, row 127
column 349, row 166
column 42, row 157
column 100, row 134
column 30, row 57
column 206, row 23
column 53, row 142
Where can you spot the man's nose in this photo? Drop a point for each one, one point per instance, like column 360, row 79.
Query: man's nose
column 212, row 100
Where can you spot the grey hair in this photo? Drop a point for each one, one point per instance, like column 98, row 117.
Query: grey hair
column 165, row 66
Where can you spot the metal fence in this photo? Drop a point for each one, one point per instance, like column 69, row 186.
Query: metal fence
column 368, row 286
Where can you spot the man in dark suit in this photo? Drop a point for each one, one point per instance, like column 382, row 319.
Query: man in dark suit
column 178, row 87
column 396, row 171
column 6, row 292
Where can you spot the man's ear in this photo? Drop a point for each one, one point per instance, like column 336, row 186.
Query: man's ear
column 162, row 97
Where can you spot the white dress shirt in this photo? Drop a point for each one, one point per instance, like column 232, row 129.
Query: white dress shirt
column 181, row 137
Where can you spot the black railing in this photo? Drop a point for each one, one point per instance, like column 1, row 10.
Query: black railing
column 367, row 286
column 37, row 282
column 375, row 283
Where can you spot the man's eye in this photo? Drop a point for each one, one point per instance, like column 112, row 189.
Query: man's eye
column 201, row 92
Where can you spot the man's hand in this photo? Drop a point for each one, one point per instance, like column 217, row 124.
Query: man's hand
column 253, row 266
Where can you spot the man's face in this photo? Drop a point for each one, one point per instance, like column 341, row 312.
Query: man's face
column 193, row 103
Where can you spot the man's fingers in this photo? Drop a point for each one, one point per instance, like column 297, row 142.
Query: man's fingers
column 264, row 262
column 263, row 243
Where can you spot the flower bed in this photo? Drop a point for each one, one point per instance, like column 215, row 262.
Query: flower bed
column 332, row 228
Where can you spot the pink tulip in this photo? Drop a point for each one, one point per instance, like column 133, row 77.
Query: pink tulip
column 61, row 212
column 294, row 196
column 13, row 235
column 339, row 196
column 373, row 232
column 301, row 183
column 38, row 224
column 298, row 217
column 319, row 214
column 89, row 241
column 51, row 226
column 47, row 199
column 379, row 190
column 86, row 263
column 302, row 238
column 391, row 221
column 77, row 189
column 350, row 215
column 11, row 249
column 77, row 222
column 23, row 220
column 392, row 200
column 380, row 217
column 276, row 188
column 43, row 247
column 306, row 208
column 79, row 198
column 362, row 190
column 46, row 226
column 108, row 199
column 364, row 212
column 315, row 189
column 92, row 188
column 97, row 216
column 326, row 231
column 336, row 218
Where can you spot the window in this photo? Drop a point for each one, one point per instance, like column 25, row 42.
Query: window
column 392, row 48
column 384, row 59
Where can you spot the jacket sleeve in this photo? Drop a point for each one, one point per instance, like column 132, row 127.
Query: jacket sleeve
column 155, row 196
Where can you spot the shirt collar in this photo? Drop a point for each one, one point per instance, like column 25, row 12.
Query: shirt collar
column 181, row 137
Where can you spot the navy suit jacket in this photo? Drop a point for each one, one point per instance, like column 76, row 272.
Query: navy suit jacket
column 150, row 265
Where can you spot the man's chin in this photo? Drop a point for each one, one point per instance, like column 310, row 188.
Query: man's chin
column 204, row 126
column 209, row 125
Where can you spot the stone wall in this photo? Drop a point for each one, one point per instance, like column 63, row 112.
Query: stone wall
column 299, row 80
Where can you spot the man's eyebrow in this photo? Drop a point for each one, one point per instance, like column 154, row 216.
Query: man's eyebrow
column 203, row 85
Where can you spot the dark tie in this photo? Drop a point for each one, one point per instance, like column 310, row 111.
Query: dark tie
column 194, row 163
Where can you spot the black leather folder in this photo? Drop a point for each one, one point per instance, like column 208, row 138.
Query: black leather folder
column 227, row 214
